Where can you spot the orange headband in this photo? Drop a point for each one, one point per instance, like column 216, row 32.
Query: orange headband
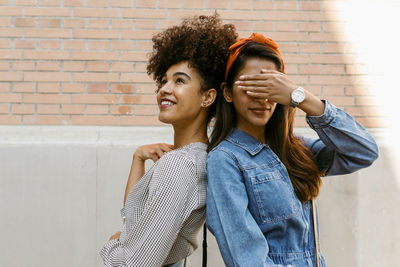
column 236, row 48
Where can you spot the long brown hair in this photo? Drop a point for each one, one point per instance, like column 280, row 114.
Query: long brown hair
column 297, row 158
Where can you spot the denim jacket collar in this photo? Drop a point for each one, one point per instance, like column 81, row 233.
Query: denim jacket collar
column 245, row 141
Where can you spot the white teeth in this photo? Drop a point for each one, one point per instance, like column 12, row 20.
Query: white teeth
column 165, row 102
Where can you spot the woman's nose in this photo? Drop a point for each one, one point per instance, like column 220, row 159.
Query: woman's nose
column 166, row 88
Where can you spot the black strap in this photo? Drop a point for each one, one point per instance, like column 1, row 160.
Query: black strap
column 204, row 246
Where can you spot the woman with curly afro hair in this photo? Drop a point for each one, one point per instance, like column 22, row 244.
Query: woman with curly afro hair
column 164, row 208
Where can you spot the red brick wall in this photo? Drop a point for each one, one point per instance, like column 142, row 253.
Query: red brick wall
column 83, row 62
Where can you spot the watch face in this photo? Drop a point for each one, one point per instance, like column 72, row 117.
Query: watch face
column 297, row 96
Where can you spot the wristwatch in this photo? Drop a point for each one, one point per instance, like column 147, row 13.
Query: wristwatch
column 297, row 96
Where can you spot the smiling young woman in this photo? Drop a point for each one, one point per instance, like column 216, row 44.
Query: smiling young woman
column 164, row 208
column 262, row 179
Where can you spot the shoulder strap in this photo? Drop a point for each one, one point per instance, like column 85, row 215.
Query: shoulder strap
column 315, row 232
column 204, row 264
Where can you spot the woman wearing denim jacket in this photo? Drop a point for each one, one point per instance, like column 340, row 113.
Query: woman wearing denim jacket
column 262, row 178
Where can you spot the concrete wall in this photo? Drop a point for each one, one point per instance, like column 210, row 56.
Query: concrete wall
column 61, row 189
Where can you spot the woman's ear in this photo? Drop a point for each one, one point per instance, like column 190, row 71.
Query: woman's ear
column 227, row 93
column 209, row 97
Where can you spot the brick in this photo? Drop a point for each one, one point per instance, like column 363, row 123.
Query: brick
column 341, row 100
column 74, row 66
column 99, row 24
column 356, row 91
column 95, row 77
column 122, row 67
column 289, row 36
column 94, row 120
column 144, row 13
column 330, row 59
column 10, row 32
column 97, row 88
column 336, row 27
column 357, row 69
column 48, row 109
column 24, row 44
column 242, row 25
column 193, row 4
column 121, row 110
column 74, row 44
column 5, row 43
column 146, row 24
column 137, row 34
column 286, row 27
column 25, row 22
column 135, row 77
column 10, row 98
column 138, row 99
column 292, row 69
column 10, row 54
column 333, row 90
column 308, row 6
column 49, row 88
column 49, row 44
column 23, row 109
column 333, row 69
column 74, row 23
column 146, row 3
column 122, row 88
column 139, row 120
column 288, row 48
column 163, row 24
column 310, row 69
column 23, row 87
column 145, row 110
column 310, row 48
column 74, row 3
column 141, row 67
column 122, row 45
column 122, row 24
column 46, row 77
column 293, row 58
column 324, row 16
column 331, row 79
column 122, row 3
column 98, row 66
column 9, row 120
column 73, row 109
column 145, row 88
column 4, row 65
column 144, row 45
column 99, row 45
column 47, row 98
column 49, row 3
column 23, row 65
column 134, row 56
column 4, row 108
column 97, row 3
column 263, row 5
column 73, row 87
column 97, row 12
column 96, row 34
column 242, row 15
column 285, row 15
column 263, row 26
column 96, row 109
column 5, row 22
column 333, row 48
column 50, row 23
column 10, row 11
column 310, row 27
column 357, row 111
column 10, row 76
column 48, row 33
column 366, row 100
column 286, row 5
column 46, row 120
column 5, row 87
column 94, row 99
column 48, row 12
column 94, row 55
column 177, row 3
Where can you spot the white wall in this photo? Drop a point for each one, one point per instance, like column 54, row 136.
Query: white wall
column 61, row 189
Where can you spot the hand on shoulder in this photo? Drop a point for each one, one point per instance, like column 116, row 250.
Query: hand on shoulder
column 152, row 151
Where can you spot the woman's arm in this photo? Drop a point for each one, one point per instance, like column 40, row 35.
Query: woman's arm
column 239, row 238
column 151, row 238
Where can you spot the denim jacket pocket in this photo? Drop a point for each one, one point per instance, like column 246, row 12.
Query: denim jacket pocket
column 274, row 195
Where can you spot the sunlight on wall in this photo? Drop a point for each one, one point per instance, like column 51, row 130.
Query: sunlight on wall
column 372, row 28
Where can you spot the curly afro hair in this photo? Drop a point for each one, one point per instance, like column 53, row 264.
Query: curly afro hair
column 203, row 41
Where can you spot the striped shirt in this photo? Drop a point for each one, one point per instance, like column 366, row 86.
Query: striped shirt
column 163, row 212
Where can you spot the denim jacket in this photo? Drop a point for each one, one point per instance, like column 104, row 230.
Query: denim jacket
column 252, row 208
